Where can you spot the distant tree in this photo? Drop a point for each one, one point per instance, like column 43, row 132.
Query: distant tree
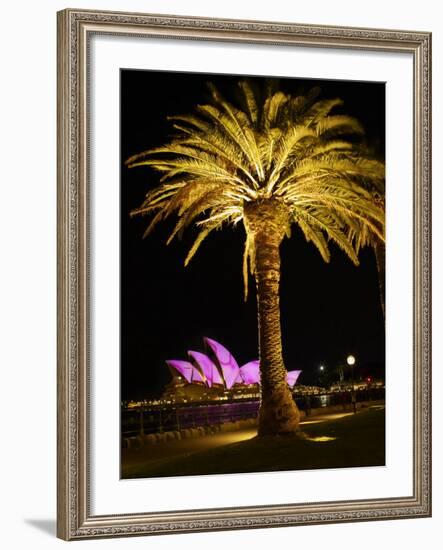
column 363, row 236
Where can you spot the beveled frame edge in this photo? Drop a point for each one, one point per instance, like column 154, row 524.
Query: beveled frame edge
column 74, row 520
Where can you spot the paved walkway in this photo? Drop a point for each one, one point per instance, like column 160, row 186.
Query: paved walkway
column 151, row 453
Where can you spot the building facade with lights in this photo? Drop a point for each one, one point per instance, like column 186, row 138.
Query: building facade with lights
column 215, row 374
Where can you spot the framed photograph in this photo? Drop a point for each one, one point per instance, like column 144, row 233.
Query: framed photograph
column 243, row 274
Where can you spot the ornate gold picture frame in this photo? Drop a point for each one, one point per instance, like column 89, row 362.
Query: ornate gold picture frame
column 77, row 518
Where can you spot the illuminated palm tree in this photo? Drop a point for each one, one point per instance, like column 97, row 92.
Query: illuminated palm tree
column 271, row 162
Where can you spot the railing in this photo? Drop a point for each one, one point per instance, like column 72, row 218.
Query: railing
column 168, row 417
column 176, row 417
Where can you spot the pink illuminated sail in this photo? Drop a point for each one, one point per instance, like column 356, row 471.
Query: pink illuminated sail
column 207, row 367
column 220, row 367
column 228, row 366
column 292, row 376
column 250, row 372
column 185, row 369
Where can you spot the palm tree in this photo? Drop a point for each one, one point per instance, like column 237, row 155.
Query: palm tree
column 380, row 258
column 273, row 161
column 363, row 236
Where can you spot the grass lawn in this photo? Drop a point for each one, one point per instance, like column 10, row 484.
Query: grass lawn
column 351, row 441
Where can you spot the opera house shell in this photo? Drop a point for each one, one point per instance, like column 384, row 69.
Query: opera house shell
column 215, row 373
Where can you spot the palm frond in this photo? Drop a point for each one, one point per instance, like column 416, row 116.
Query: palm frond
column 271, row 146
column 319, row 110
column 323, row 221
column 315, row 235
column 204, row 232
column 286, row 147
column 271, row 108
column 250, row 100
column 338, row 124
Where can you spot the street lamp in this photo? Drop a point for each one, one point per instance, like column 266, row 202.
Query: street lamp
column 321, row 368
column 350, row 360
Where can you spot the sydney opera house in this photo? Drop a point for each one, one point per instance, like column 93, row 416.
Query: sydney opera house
column 215, row 374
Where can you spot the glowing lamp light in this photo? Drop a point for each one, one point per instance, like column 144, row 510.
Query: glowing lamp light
column 350, row 360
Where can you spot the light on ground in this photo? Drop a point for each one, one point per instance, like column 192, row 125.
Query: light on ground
column 321, row 438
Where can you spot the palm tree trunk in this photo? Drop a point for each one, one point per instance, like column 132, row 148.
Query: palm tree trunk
column 278, row 412
column 380, row 257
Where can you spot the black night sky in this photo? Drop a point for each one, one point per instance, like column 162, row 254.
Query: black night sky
column 328, row 310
